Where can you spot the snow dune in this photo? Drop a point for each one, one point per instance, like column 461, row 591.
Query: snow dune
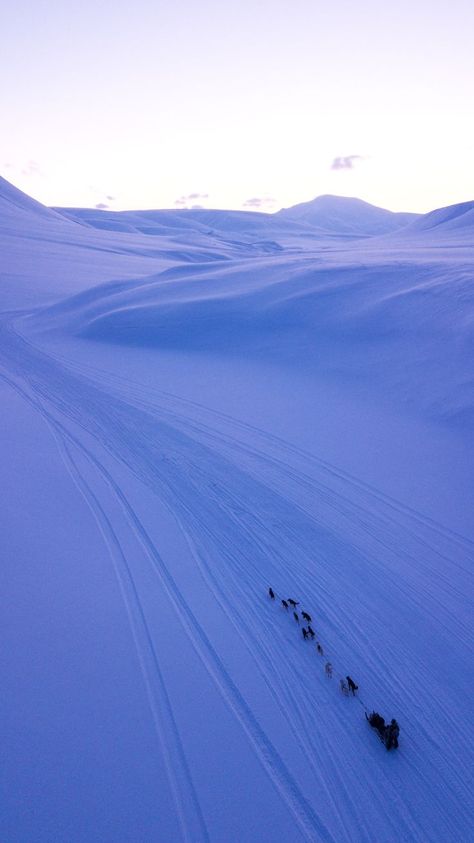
column 399, row 326
column 188, row 419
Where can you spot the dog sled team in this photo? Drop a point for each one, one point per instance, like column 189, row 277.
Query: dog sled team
column 389, row 732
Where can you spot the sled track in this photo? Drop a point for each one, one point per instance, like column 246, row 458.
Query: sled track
column 235, row 514
column 309, row 823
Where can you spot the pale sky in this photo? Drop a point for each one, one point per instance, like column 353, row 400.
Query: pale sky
column 250, row 103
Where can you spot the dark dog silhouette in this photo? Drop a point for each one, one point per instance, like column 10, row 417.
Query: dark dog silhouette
column 295, row 615
column 310, row 631
column 307, row 617
column 271, row 593
column 319, row 649
column 305, row 633
column 284, row 603
column 352, row 685
column 293, row 603
column 377, row 722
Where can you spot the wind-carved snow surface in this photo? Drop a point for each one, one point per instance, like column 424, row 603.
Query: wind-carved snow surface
column 190, row 416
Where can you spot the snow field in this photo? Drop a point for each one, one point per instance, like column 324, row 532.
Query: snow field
column 155, row 692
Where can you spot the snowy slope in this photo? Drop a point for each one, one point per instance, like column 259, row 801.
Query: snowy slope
column 446, row 222
column 175, row 441
column 382, row 322
column 205, row 222
column 16, row 208
column 41, row 246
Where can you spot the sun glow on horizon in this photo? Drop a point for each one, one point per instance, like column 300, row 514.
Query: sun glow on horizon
column 252, row 107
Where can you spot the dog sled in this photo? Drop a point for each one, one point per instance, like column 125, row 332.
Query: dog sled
column 387, row 732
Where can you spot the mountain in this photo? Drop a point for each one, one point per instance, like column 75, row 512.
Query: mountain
column 325, row 218
column 346, row 216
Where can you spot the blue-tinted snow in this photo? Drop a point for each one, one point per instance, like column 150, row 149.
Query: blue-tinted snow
column 194, row 407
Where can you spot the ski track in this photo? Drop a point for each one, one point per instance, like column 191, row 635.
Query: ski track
column 303, row 813
column 230, row 494
column 310, row 824
column 168, row 735
column 187, row 804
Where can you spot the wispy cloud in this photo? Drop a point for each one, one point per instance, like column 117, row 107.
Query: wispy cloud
column 345, row 162
column 31, row 168
column 184, row 201
column 24, row 168
column 259, row 202
column 101, row 206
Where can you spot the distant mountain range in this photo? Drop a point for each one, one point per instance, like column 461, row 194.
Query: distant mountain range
column 326, row 217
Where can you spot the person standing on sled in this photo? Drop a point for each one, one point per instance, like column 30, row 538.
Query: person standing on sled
column 391, row 734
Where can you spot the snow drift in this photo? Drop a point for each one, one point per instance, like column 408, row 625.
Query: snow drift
column 397, row 325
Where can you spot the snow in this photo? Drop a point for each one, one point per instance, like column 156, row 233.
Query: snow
column 347, row 216
column 190, row 416
column 454, row 218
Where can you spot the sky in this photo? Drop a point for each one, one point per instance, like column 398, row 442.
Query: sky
column 256, row 104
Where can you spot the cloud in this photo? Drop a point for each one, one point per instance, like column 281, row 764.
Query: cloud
column 99, row 197
column 24, row 168
column 259, row 202
column 345, row 162
column 104, row 200
column 190, row 197
column 31, row 168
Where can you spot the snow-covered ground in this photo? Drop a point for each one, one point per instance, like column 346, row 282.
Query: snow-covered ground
column 195, row 406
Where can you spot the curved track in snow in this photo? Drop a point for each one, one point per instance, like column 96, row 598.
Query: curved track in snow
column 253, row 510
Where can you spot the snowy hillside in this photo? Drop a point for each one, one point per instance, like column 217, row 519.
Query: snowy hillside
column 324, row 217
column 197, row 406
column 346, row 216
column 456, row 219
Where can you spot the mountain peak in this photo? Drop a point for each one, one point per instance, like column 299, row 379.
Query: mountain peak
column 347, row 215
